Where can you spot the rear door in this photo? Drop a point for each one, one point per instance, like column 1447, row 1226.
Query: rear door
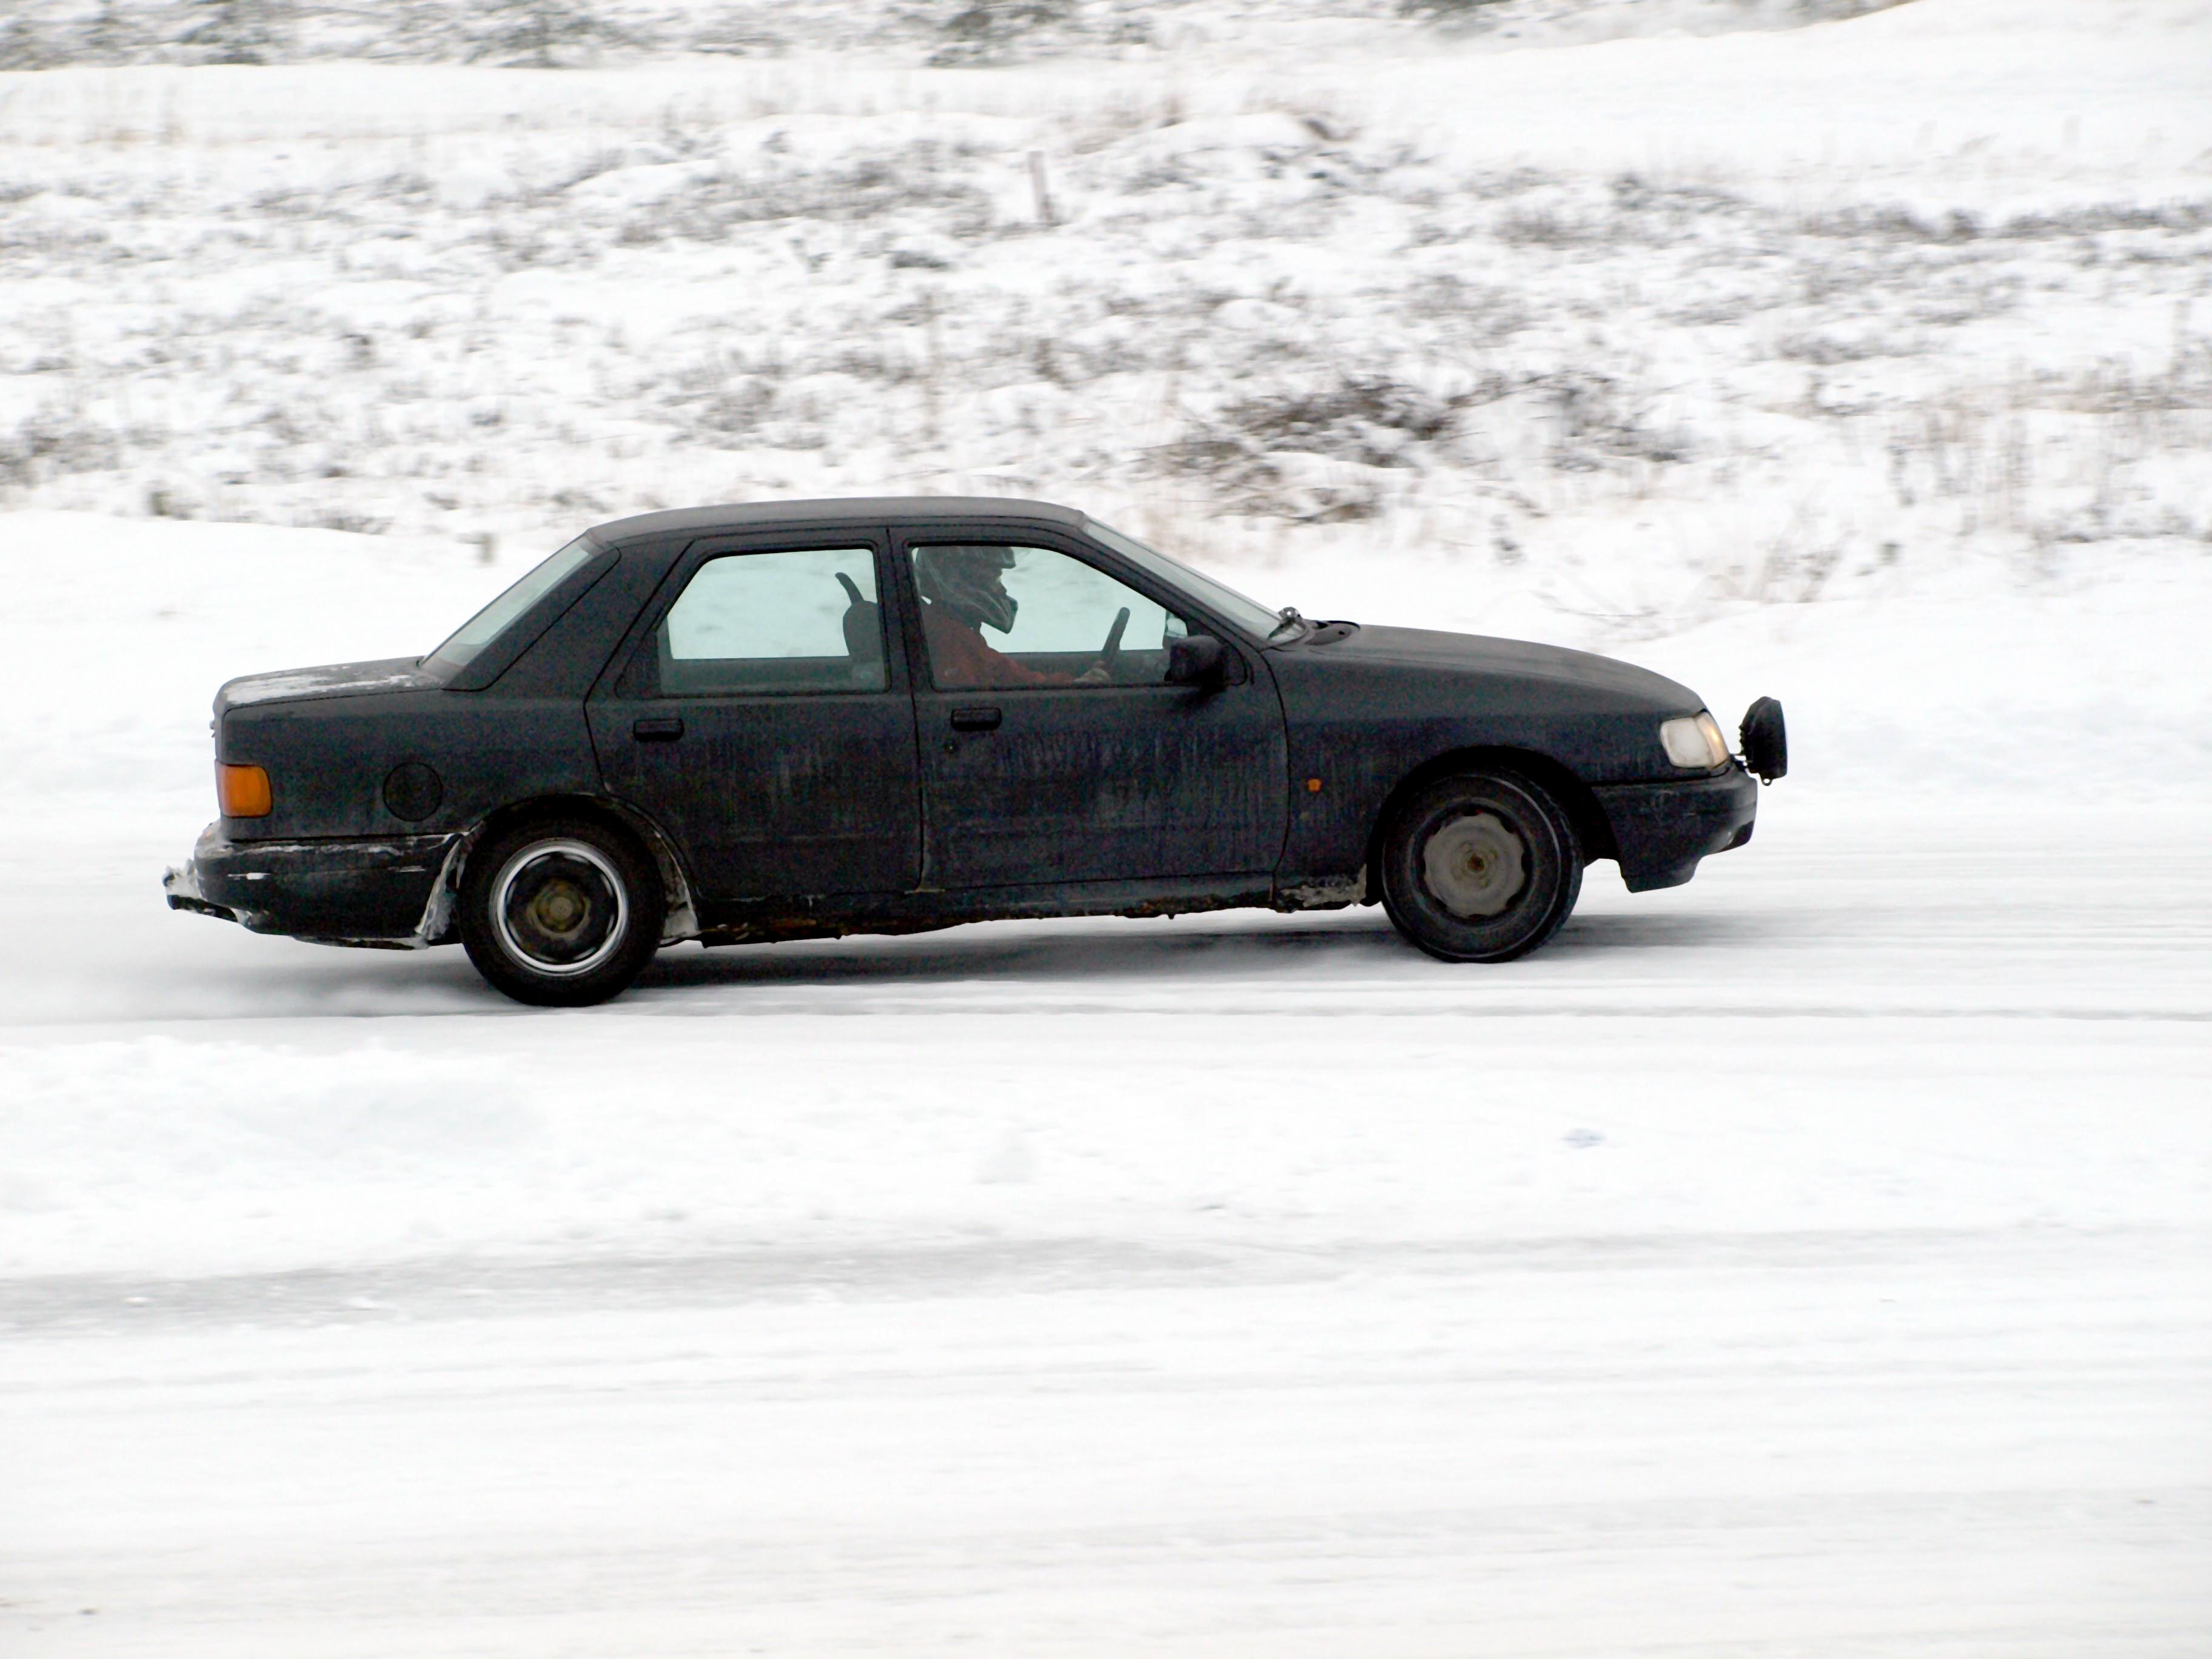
column 761, row 719
column 1039, row 768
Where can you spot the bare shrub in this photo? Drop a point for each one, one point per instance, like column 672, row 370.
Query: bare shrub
column 53, row 444
column 732, row 414
column 23, row 45
column 987, row 31
column 1633, row 193
column 1369, row 419
column 538, row 34
column 1826, row 11
column 1254, row 450
column 1827, row 351
column 238, row 31
column 1790, row 569
column 872, row 187
column 359, row 524
column 1541, row 228
column 1599, row 420
column 734, row 32
column 1277, row 487
column 1479, row 312
column 2173, row 217
column 1446, row 11
column 545, row 33
column 1491, row 14
column 111, row 35
column 1894, row 223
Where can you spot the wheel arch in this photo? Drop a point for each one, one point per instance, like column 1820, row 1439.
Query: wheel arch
column 1559, row 780
column 682, row 918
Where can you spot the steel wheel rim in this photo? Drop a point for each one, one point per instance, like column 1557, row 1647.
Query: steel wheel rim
column 1475, row 865
column 560, row 907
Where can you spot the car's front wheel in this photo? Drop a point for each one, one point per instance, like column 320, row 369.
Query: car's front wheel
column 1481, row 867
column 561, row 912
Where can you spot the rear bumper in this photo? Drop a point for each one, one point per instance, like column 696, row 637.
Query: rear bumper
column 1659, row 830
column 386, row 891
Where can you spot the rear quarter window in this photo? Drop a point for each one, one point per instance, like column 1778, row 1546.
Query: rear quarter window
column 501, row 614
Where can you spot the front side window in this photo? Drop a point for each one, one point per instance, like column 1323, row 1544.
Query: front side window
column 999, row 616
column 1247, row 614
column 771, row 623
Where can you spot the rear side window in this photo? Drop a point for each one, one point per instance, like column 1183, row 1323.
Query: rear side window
column 751, row 624
column 496, row 618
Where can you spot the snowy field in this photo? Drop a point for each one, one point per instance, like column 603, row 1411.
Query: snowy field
column 1813, row 1260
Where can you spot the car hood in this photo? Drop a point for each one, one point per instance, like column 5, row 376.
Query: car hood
column 343, row 679
column 1495, row 659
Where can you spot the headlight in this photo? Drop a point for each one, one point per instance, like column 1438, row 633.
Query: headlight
column 1695, row 742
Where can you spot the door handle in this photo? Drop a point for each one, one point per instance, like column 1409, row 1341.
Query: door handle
column 976, row 719
column 657, row 728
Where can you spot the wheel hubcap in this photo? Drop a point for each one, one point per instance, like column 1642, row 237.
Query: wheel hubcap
column 559, row 908
column 1474, row 865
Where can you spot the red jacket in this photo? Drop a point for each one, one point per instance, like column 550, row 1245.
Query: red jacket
column 960, row 660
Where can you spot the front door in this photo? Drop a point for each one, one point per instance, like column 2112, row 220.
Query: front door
column 1052, row 749
column 764, row 722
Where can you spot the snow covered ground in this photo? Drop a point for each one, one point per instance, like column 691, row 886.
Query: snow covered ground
column 1814, row 1260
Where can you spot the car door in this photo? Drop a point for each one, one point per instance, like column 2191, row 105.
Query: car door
column 761, row 719
column 1039, row 765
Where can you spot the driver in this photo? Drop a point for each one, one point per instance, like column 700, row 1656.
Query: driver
column 963, row 592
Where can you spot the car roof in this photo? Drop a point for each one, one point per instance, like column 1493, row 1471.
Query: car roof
column 837, row 510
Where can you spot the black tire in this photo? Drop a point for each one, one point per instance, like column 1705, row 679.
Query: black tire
column 1480, row 867
column 561, row 912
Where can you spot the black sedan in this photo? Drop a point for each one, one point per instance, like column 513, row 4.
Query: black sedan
column 802, row 720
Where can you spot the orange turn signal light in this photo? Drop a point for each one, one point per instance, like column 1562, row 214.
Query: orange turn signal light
column 242, row 791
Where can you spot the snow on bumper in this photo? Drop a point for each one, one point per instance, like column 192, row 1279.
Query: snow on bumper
column 391, row 890
column 1661, row 830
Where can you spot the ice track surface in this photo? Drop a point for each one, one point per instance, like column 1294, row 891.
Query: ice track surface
column 1813, row 1260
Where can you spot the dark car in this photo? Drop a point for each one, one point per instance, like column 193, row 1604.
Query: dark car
column 803, row 720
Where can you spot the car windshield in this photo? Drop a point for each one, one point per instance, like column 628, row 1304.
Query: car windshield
column 488, row 623
column 1246, row 613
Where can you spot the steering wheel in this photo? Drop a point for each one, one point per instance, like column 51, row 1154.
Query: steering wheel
column 1109, row 655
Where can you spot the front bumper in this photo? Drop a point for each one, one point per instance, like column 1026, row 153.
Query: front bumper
column 392, row 890
column 1659, row 830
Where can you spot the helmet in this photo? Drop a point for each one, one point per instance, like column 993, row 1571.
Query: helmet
column 968, row 581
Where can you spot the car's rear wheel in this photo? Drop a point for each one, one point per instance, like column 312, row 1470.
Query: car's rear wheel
column 1480, row 867
column 561, row 912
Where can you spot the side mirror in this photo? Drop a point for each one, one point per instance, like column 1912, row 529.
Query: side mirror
column 1195, row 659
